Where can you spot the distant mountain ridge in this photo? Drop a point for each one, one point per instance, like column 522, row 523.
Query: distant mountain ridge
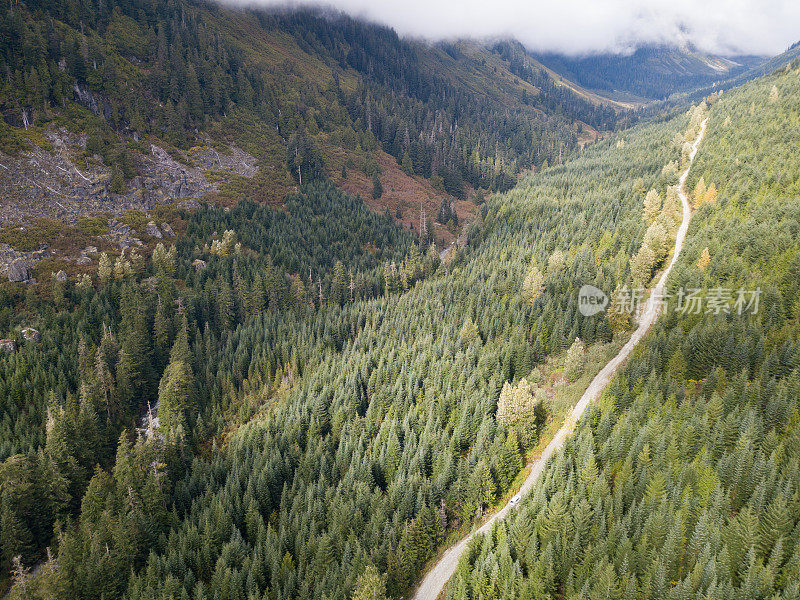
column 650, row 72
column 782, row 61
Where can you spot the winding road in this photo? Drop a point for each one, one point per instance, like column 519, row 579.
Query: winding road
column 433, row 583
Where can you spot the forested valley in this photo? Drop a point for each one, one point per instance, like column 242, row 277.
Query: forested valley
column 303, row 399
column 683, row 482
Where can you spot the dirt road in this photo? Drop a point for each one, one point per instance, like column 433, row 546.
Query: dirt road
column 433, row 583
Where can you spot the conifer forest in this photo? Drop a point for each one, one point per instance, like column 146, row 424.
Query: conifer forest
column 291, row 304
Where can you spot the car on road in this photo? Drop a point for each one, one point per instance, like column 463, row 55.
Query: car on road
column 515, row 499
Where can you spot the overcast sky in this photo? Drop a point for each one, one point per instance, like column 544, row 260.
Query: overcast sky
column 585, row 26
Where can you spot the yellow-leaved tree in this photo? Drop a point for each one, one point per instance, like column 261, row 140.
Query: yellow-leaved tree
column 533, row 285
column 652, row 206
column 522, row 407
column 704, row 260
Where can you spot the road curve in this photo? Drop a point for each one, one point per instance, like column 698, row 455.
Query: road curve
column 434, row 581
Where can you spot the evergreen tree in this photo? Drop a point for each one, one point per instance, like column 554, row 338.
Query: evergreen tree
column 133, row 368
column 176, row 391
column 339, row 283
column 377, row 187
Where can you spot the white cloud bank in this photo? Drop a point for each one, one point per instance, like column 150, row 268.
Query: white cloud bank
column 586, row 26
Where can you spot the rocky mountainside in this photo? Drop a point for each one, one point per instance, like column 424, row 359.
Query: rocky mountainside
column 134, row 104
column 56, row 180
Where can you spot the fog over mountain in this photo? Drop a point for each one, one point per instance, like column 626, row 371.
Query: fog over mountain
column 588, row 26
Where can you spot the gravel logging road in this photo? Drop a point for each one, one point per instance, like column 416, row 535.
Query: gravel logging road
column 434, row 581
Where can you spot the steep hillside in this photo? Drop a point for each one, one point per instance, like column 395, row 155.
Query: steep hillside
column 294, row 397
column 134, row 104
column 87, row 357
column 781, row 61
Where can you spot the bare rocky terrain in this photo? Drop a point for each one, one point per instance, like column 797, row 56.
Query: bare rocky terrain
column 16, row 265
column 61, row 183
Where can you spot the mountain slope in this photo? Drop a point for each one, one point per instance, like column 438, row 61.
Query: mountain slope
column 394, row 434
column 436, row 579
column 125, row 104
column 781, row 61
column 333, row 401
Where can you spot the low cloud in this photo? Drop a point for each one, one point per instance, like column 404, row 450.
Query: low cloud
column 588, row 26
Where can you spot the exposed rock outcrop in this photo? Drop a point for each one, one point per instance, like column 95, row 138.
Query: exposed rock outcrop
column 31, row 335
column 121, row 234
column 17, row 265
column 18, row 271
column 235, row 160
column 61, row 182
column 189, row 204
column 86, row 255
column 153, row 231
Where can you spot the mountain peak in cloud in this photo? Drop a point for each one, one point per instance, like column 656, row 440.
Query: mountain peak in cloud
column 579, row 27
